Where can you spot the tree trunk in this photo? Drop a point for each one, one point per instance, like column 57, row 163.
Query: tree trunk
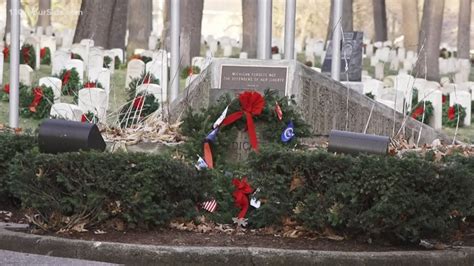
column 464, row 29
column 249, row 27
column 410, row 24
column 346, row 20
column 190, row 33
column 191, row 22
column 140, row 20
column 94, row 21
column 380, row 20
column 118, row 27
column 429, row 40
column 9, row 20
column 44, row 17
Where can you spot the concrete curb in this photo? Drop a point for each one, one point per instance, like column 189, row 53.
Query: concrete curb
column 178, row 255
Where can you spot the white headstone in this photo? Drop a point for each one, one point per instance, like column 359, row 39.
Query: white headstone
column 436, row 98
column 49, row 42
column 81, row 50
column 394, row 64
column 78, row 65
column 463, row 98
column 95, row 61
column 227, row 50
column 243, row 55
column 66, row 111
column 102, row 76
column 59, row 61
column 118, row 52
column 95, row 101
column 405, row 84
column 26, row 74
column 134, row 70
column 373, row 86
column 373, row 61
column 401, row 53
column 369, row 50
column 199, row 62
column 379, row 71
column 55, row 84
column 277, row 57
column 159, row 68
column 152, row 42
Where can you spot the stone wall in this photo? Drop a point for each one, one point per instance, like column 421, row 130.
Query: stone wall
column 324, row 103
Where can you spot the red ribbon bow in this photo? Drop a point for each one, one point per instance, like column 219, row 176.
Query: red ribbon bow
column 240, row 195
column 43, row 52
column 89, row 85
column 251, row 104
column 38, row 96
column 451, row 113
column 6, row 53
column 138, row 102
column 66, row 77
column 418, row 112
column 6, row 88
column 84, row 118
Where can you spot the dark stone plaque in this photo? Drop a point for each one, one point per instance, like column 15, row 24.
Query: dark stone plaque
column 253, row 77
column 351, row 51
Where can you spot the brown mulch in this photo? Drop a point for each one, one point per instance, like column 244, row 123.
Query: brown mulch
column 182, row 234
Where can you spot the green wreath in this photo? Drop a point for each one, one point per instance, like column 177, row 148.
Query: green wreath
column 117, row 62
column 197, row 125
column 186, row 70
column 451, row 113
column 70, row 81
column 36, row 102
column 145, row 78
column 89, row 117
column 107, row 62
column 76, row 56
column 5, row 92
column 27, row 55
column 423, row 107
column 137, row 109
column 45, row 55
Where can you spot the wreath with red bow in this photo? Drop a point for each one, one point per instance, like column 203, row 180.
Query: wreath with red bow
column 423, row 108
column 250, row 112
column 36, row 102
column 145, row 78
column 137, row 109
column 451, row 114
column 70, row 81
column 27, row 55
column 89, row 117
column 45, row 55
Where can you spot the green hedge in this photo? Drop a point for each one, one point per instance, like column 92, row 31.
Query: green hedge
column 374, row 196
column 140, row 189
column 404, row 199
column 10, row 145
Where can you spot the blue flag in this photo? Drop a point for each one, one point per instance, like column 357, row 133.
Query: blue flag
column 211, row 137
column 288, row 133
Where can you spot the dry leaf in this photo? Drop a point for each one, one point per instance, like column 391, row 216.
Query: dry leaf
column 79, row 228
column 296, row 182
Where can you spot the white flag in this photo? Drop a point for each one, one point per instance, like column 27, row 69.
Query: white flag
column 221, row 118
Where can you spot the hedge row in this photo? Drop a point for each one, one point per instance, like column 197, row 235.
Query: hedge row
column 405, row 199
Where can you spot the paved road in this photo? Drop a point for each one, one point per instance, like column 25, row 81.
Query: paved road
column 16, row 258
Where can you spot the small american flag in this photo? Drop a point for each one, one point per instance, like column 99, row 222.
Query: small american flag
column 278, row 111
column 210, row 205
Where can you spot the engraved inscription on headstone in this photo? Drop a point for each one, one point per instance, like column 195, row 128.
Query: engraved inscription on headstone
column 253, row 77
column 351, row 52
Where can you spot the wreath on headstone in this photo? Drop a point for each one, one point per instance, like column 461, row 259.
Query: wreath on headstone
column 451, row 114
column 45, row 55
column 145, row 78
column 89, row 117
column 117, row 62
column 145, row 59
column 6, row 91
column 272, row 120
column 107, row 62
column 71, row 83
column 87, row 85
column 76, row 56
column 6, row 53
column 423, row 111
column 137, row 109
column 36, row 102
column 187, row 71
column 27, row 55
